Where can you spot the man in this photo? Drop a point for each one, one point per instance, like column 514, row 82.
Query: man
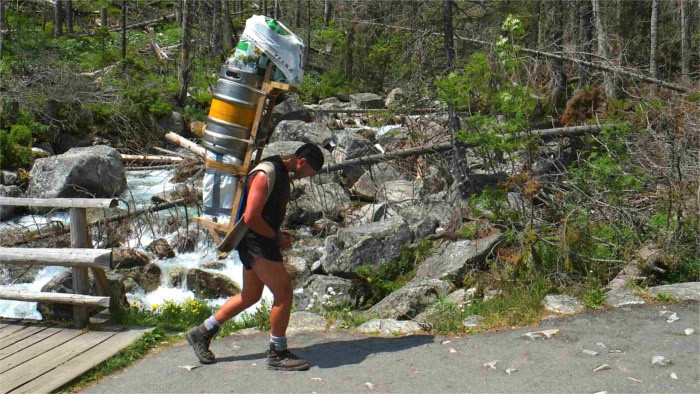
column 259, row 251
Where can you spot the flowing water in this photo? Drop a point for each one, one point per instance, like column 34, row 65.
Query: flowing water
column 142, row 186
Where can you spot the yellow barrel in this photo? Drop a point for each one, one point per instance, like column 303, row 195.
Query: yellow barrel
column 232, row 113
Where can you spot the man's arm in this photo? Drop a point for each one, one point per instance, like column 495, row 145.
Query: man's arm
column 257, row 196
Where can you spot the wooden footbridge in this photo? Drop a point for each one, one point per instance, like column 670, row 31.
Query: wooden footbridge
column 41, row 356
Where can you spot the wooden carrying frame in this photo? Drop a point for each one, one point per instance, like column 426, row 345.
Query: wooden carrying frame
column 261, row 122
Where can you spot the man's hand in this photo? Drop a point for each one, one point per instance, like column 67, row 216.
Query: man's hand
column 285, row 241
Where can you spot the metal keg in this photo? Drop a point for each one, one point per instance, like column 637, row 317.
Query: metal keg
column 232, row 74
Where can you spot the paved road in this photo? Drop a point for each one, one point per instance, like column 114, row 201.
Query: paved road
column 349, row 362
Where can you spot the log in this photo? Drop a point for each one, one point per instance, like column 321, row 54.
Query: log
column 66, row 257
column 126, row 215
column 140, row 168
column 151, row 158
column 163, row 18
column 185, row 143
column 60, row 202
column 57, row 298
column 445, row 146
column 416, row 111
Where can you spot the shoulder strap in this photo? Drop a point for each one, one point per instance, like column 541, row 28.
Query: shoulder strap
column 269, row 169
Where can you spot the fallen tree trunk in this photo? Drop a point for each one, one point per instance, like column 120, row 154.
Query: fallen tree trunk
column 185, row 143
column 417, row 111
column 151, row 158
column 31, row 236
column 163, row 18
column 445, row 146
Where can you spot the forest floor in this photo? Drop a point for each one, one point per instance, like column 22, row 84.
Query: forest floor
column 626, row 339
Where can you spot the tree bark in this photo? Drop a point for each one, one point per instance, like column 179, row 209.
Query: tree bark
column 327, row 12
column 265, row 7
column 103, row 17
column 297, row 14
column 178, row 13
column 559, row 93
column 69, row 17
column 586, row 30
column 2, row 24
column 184, row 70
column 308, row 31
column 349, row 45
column 218, row 29
column 277, row 9
column 654, row 35
column 460, row 167
column 540, row 25
column 226, row 28
column 123, row 29
column 685, row 38
column 609, row 80
column 58, row 19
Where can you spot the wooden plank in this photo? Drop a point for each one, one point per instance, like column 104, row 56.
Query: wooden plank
column 22, row 334
column 71, row 369
column 66, row 257
column 12, row 328
column 27, row 342
column 37, row 349
column 37, row 366
column 60, row 202
column 81, row 282
column 101, row 279
column 58, row 298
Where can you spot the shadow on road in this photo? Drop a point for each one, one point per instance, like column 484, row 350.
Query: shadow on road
column 340, row 353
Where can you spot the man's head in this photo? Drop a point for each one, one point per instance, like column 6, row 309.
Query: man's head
column 309, row 160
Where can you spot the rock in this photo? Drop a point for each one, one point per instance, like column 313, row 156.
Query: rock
column 210, row 284
column 11, row 273
column 289, row 109
column 67, row 142
column 298, row 270
column 472, row 321
column 395, row 97
column 682, row 291
column 302, row 321
column 461, row 296
column 370, row 213
column 176, row 277
column 454, row 260
column 444, row 213
column 544, row 334
column 96, row 171
column 128, row 258
column 173, row 122
column 590, row 352
column 389, row 327
column 148, row 276
column 510, row 371
column 516, row 202
column 317, row 289
column 313, row 201
column 161, row 248
column 688, row 331
column 603, row 367
column 7, row 211
column 297, row 130
column 660, row 360
column 673, row 375
column 400, row 192
column 186, row 242
column 8, row 178
column 490, row 365
column 563, row 304
column 213, row 265
column 371, row 244
column 622, row 297
column 366, row 101
column 330, row 102
column 324, row 227
column 369, row 183
column 492, row 293
column 411, row 299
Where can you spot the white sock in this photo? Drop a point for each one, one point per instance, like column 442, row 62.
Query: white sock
column 212, row 324
column 280, row 343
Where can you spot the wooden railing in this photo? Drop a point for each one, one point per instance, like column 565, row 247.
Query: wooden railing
column 81, row 257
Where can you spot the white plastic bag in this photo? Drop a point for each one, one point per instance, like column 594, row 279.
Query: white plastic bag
column 287, row 52
column 218, row 189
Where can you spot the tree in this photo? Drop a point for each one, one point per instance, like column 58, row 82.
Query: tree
column 184, row 71
column 2, row 24
column 226, row 28
column 349, row 46
column 277, row 9
column 58, row 19
column 218, row 28
column 123, row 29
column 327, row 12
column 103, row 16
column 559, row 93
column 685, row 38
column 459, row 169
column 69, row 16
column 609, row 80
column 654, row 34
column 586, row 33
column 297, row 14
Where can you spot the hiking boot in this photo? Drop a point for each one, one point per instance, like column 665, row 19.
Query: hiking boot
column 200, row 339
column 284, row 360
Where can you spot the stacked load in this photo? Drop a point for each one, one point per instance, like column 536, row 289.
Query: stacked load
column 235, row 100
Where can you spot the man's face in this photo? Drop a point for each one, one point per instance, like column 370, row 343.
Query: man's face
column 304, row 169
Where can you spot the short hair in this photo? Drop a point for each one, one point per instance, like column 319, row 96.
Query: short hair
column 312, row 154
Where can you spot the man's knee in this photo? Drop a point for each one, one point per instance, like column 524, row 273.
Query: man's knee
column 249, row 298
column 284, row 295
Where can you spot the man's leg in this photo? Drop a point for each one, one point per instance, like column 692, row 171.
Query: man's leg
column 274, row 275
column 200, row 337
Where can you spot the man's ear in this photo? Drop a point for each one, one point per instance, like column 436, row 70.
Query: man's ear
column 301, row 162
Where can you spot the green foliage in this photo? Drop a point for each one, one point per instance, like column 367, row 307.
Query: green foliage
column 377, row 283
column 663, row 297
column 316, row 86
column 594, row 298
column 445, row 318
column 15, row 151
column 686, row 270
column 100, row 112
column 470, row 230
column 194, row 112
column 344, row 316
column 21, row 135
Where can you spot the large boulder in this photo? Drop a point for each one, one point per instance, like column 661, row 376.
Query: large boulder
column 289, row 109
column 148, row 277
column 395, row 97
column 682, row 291
column 96, row 171
column 371, row 181
column 324, row 292
column 303, row 321
column 400, row 192
column 297, row 130
column 312, row 201
column 7, row 211
column 390, row 327
column 411, row 299
column 454, row 260
column 366, row 100
column 211, row 284
column 161, row 248
column 128, row 258
column 351, row 146
column 298, row 270
column 372, row 244
column 8, row 178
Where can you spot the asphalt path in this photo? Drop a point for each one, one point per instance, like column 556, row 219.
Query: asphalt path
column 626, row 339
